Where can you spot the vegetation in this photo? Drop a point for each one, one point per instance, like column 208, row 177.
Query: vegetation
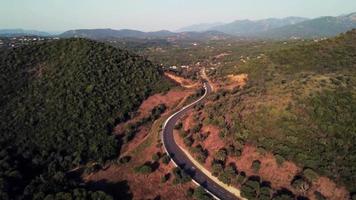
column 180, row 176
column 201, row 194
column 300, row 91
column 59, row 102
column 144, row 169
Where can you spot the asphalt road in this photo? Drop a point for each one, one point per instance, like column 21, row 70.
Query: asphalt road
column 180, row 159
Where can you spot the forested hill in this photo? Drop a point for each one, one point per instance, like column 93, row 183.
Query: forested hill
column 304, row 107
column 59, row 102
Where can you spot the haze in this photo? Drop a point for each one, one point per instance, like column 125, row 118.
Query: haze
column 151, row 15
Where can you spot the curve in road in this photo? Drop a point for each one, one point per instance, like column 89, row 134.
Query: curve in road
column 181, row 160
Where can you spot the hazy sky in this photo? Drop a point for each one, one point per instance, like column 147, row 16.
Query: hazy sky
column 150, row 15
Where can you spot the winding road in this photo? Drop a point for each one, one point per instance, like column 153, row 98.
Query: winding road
column 180, row 159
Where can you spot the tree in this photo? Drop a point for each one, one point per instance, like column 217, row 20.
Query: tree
column 221, row 155
column 256, row 165
column 250, row 189
column 166, row 159
column 300, row 185
column 310, row 175
column 201, row 194
column 143, row 169
column 155, row 157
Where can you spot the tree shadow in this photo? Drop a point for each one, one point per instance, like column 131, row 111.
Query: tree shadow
column 119, row 190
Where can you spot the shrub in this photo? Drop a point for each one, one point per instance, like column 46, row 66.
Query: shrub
column 124, row 159
column 221, row 155
column 241, row 178
column 188, row 141
column 190, row 192
column 155, row 157
column 180, row 176
column 217, row 167
column 166, row 159
column 300, row 185
column 165, row 178
column 201, row 194
column 279, row 159
column 178, row 126
column 256, row 165
column 143, row 169
column 310, row 175
column 250, row 189
column 265, row 193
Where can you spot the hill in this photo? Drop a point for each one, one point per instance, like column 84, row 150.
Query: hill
column 21, row 32
column 315, row 28
column 248, row 27
column 199, row 27
column 299, row 104
column 99, row 34
column 59, row 103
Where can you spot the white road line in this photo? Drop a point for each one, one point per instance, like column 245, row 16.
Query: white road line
column 164, row 145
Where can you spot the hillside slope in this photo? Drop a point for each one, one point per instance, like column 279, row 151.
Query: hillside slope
column 299, row 103
column 59, row 103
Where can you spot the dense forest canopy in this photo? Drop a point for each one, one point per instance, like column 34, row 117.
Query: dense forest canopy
column 59, row 102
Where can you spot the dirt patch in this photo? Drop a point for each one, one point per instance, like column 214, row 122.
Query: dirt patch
column 188, row 121
column 213, row 143
column 143, row 186
column 231, row 82
column 329, row 189
column 186, row 83
column 280, row 176
column 236, row 81
column 169, row 99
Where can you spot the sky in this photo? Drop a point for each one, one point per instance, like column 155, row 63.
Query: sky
column 153, row 15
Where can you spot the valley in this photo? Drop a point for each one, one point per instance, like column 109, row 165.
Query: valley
column 253, row 109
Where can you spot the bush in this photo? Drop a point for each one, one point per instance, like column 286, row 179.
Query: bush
column 241, row 177
column 250, row 189
column 265, row 193
column 178, row 126
column 180, row 176
column 188, row 141
column 201, row 194
column 165, row 178
column 217, row 167
column 156, row 157
column 221, row 155
column 279, row 159
column 143, row 169
column 190, row 192
column 166, row 159
column 300, row 185
column 256, row 165
column 124, row 159
column 310, row 175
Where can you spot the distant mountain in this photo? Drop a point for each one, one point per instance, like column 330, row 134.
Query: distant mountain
column 248, row 27
column 199, row 27
column 98, row 34
column 21, row 32
column 319, row 27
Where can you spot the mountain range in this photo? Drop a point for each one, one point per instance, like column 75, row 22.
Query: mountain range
column 286, row 27
column 22, row 32
column 271, row 28
column 126, row 33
